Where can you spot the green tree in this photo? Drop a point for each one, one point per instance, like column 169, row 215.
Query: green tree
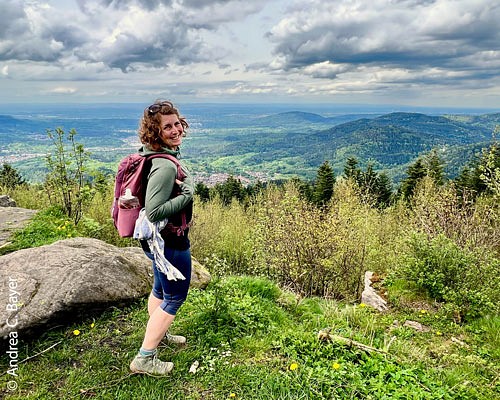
column 479, row 175
column 414, row 174
column 231, row 189
column 383, row 190
column 323, row 186
column 202, row 191
column 351, row 169
column 368, row 180
column 10, row 177
column 434, row 166
column 305, row 189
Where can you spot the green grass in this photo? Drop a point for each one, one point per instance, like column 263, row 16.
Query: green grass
column 255, row 341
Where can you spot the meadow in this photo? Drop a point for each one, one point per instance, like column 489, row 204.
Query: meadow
column 283, row 269
column 280, row 318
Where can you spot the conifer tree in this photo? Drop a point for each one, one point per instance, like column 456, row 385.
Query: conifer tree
column 434, row 166
column 202, row 191
column 383, row 190
column 232, row 188
column 323, row 187
column 10, row 177
column 351, row 169
column 368, row 180
column 472, row 179
column 414, row 174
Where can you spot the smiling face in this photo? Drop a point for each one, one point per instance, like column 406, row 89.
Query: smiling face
column 172, row 131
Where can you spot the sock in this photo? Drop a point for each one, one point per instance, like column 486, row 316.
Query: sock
column 146, row 352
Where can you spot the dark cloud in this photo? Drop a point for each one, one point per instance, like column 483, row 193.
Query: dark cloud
column 93, row 6
column 405, row 34
column 12, row 19
column 17, row 39
column 118, row 33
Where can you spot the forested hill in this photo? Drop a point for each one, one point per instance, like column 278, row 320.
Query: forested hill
column 297, row 142
column 248, row 142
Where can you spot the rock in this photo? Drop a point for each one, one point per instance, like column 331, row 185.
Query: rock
column 416, row 325
column 11, row 219
column 6, row 201
column 47, row 285
column 370, row 297
column 200, row 277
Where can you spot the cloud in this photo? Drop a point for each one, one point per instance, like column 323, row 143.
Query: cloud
column 121, row 34
column 326, row 39
column 63, row 90
column 5, row 70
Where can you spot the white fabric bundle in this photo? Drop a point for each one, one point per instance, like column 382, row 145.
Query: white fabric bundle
column 150, row 231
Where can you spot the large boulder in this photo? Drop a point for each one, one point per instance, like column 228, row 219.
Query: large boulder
column 61, row 282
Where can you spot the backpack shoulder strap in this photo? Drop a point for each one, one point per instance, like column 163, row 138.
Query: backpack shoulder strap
column 180, row 173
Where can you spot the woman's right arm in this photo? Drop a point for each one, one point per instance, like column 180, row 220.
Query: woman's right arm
column 161, row 182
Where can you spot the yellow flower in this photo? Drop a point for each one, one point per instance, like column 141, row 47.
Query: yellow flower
column 92, row 324
column 76, row 332
column 232, row 395
column 362, row 305
column 439, row 333
column 294, row 366
column 336, row 366
column 423, row 311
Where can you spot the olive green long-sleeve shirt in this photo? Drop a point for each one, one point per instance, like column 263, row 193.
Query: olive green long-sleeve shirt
column 161, row 180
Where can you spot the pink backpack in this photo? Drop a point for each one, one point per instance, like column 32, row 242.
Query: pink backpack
column 130, row 190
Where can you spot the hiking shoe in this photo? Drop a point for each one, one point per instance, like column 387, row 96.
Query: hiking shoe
column 175, row 339
column 150, row 365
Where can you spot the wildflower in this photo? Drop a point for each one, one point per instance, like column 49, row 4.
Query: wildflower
column 232, row 394
column 362, row 305
column 92, row 325
column 439, row 333
column 423, row 311
column 294, row 366
column 336, row 365
column 76, row 332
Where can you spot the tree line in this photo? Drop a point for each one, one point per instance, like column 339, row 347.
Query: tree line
column 374, row 187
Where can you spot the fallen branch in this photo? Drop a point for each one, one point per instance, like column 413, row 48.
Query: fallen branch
column 325, row 335
column 35, row 355
column 41, row 352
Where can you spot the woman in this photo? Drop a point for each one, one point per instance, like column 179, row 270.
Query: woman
column 161, row 130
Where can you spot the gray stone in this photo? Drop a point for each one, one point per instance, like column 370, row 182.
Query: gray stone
column 6, row 201
column 58, row 283
column 370, row 297
column 200, row 277
column 416, row 325
column 11, row 219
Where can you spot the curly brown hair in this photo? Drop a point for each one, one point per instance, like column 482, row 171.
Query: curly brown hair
column 150, row 124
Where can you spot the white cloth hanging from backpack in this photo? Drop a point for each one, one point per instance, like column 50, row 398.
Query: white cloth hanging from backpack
column 150, row 231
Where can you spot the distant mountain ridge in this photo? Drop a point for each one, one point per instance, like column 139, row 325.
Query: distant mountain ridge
column 290, row 118
column 279, row 145
column 390, row 142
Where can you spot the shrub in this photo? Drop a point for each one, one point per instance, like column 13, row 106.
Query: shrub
column 234, row 307
column 439, row 210
column 315, row 251
column 66, row 182
column 465, row 281
column 222, row 237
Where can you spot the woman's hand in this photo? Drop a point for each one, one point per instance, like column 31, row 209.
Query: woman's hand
column 185, row 189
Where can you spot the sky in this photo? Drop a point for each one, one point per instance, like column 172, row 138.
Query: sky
column 409, row 52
